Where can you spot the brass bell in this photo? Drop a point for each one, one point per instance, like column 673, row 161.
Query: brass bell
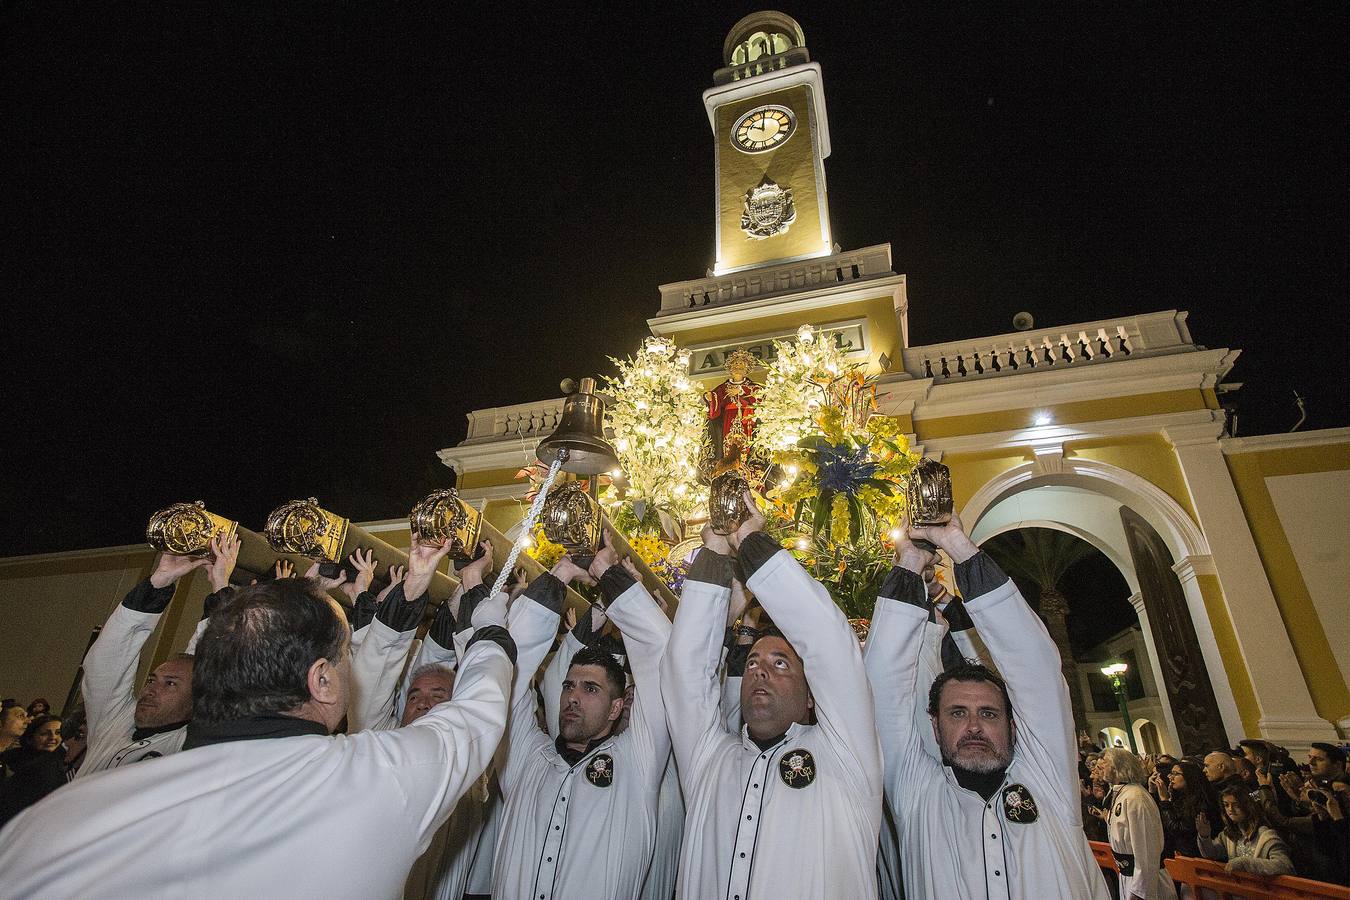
column 442, row 516
column 572, row 518
column 726, row 502
column 186, row 529
column 929, row 493
column 580, row 435
column 304, row 527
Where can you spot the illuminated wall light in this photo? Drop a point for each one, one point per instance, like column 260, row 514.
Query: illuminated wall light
column 1043, row 419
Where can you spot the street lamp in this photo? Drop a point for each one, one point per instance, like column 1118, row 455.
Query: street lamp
column 1114, row 672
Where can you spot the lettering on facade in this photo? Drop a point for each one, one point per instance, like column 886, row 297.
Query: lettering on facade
column 851, row 338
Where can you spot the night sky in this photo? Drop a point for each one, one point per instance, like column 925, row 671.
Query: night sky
column 263, row 251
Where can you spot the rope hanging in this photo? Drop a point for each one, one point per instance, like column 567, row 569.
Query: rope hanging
column 528, row 526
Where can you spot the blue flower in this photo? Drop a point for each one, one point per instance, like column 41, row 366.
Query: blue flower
column 843, row 469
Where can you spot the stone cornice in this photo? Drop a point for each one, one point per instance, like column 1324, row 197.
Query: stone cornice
column 1289, row 441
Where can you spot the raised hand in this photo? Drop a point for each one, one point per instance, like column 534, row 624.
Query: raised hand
column 327, row 584
column 909, row 555
column 715, row 542
column 224, row 552
column 283, row 569
column 567, row 572
column 951, row 537
column 471, row 576
column 396, row 575
column 364, row 563
column 754, row 523
column 1202, row 826
column 170, row 568
column 605, row 557
column 423, row 559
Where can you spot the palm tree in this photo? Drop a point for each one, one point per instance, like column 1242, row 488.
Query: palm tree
column 1041, row 556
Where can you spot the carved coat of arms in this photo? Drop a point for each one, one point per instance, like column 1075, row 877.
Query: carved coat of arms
column 768, row 210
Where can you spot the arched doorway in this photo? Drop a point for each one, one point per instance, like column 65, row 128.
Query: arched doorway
column 1145, row 534
column 1146, row 737
column 1084, row 600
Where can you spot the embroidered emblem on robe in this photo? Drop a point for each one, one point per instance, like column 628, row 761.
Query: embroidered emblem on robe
column 600, row 770
column 1018, row 805
column 1116, row 811
column 797, row 768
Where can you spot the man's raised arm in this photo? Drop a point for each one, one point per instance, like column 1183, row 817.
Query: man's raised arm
column 645, row 630
column 816, row 628
column 534, row 621
column 109, row 681
column 902, row 659
column 689, row 674
column 1021, row 648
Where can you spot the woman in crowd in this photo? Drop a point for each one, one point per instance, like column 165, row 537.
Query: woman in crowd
column 39, row 707
column 1246, row 843
column 1183, row 793
column 37, row 767
column 1134, row 828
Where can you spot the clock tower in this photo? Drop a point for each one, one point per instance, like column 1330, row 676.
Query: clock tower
column 771, row 137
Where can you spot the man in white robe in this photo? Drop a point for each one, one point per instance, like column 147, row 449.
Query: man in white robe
column 126, row 725
column 264, row 801
column 580, row 815
column 790, row 806
column 998, row 815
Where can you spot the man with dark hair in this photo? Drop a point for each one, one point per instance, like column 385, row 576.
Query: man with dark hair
column 791, row 805
column 580, row 814
column 998, row 812
column 265, row 794
column 124, row 725
column 1326, row 761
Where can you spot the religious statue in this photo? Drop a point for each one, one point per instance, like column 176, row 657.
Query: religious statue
column 729, row 440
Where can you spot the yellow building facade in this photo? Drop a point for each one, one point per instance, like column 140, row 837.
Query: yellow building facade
column 1111, row 430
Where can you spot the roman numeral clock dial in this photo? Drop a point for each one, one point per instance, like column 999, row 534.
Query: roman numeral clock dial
column 763, row 128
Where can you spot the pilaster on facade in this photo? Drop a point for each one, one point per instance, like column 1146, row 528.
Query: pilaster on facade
column 1282, row 694
column 1154, row 663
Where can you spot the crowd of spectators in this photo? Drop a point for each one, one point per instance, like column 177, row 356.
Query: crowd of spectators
column 1252, row 807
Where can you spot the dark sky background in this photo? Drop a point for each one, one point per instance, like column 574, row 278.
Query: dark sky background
column 263, row 251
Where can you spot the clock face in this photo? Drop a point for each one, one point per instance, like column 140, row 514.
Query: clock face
column 763, row 128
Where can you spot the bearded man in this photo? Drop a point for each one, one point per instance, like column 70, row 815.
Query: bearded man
column 998, row 814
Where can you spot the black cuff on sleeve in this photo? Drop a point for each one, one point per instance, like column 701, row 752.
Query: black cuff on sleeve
column 215, row 600
column 497, row 635
column 957, row 617
column 905, row 586
column 611, row 645
column 736, row 658
column 757, row 549
column 400, row 614
column 978, row 576
column 468, row 602
column 711, row 567
column 614, row 582
column 443, row 626
column 584, row 630
column 548, row 592
column 951, row 654
column 363, row 610
column 146, row 598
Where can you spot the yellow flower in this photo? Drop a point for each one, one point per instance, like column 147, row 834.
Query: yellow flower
column 544, row 551
column 649, row 548
column 839, row 518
